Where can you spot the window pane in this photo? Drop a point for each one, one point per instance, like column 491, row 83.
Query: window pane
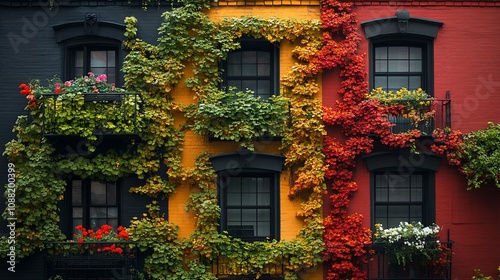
column 264, row 70
column 248, row 215
column 263, row 229
column 264, row 215
column 111, row 194
column 111, row 58
column 251, row 85
column 76, row 193
column 234, row 70
column 398, row 52
column 97, row 193
column 248, row 185
column 249, row 57
column 415, row 66
column 112, row 212
column 249, row 70
column 415, row 53
column 233, row 215
column 234, row 57
column 77, row 212
column 398, row 65
column 98, row 212
column 264, row 57
column 98, row 59
column 233, row 199
column 249, row 199
column 380, row 82
column 381, row 194
column 235, row 83
column 78, row 59
column 399, row 194
column 381, row 53
column 397, row 82
column 415, row 82
column 380, row 65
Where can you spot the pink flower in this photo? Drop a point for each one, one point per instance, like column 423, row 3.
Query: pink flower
column 101, row 78
column 91, row 74
column 68, row 83
column 95, row 89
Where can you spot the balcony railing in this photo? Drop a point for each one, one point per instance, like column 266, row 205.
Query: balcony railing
column 422, row 119
column 225, row 268
column 90, row 260
column 420, row 268
column 83, row 114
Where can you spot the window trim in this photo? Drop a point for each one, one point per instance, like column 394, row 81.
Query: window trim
column 250, row 43
column 86, row 202
column 274, row 207
column 404, row 162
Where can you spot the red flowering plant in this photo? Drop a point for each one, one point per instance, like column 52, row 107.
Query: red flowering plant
column 105, row 239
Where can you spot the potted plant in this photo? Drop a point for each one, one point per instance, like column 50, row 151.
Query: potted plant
column 414, row 105
column 408, row 242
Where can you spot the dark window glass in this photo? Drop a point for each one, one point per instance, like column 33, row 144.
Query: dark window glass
column 399, row 198
column 249, row 207
column 99, row 60
column 94, row 203
column 253, row 67
column 397, row 66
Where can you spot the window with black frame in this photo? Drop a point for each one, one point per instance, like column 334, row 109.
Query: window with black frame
column 398, row 65
column 249, row 206
column 253, row 67
column 399, row 198
column 94, row 203
column 98, row 59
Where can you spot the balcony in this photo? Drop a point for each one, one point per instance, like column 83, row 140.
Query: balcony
column 430, row 114
column 91, row 118
column 90, row 260
column 228, row 269
column 379, row 267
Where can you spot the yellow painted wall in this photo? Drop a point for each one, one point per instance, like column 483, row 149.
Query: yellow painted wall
column 195, row 144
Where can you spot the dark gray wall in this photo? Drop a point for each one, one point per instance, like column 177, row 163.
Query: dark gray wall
column 28, row 50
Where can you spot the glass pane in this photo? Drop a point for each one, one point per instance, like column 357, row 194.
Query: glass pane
column 77, row 212
column 112, row 212
column 234, row 185
column 381, row 53
column 380, row 65
column 98, row 59
column 249, row 57
column 251, row 85
column 381, row 194
column 264, row 199
column 76, row 193
column 394, row 222
column 263, row 184
column 111, row 58
column 397, row 82
column 264, row 70
column 398, row 65
column 97, row 193
column 249, row 199
column 98, row 70
column 398, row 52
column 98, row 212
column 264, row 215
column 249, row 70
column 234, row 70
column 381, row 211
column 248, row 185
column 234, row 58
column 415, row 212
column 79, row 59
column 400, row 211
column 416, row 195
column 233, row 199
column 78, row 72
column 111, row 194
column 399, row 194
column 248, row 215
column 380, row 82
column 264, row 88
column 112, row 222
column 415, row 82
column 415, row 66
column 76, row 222
column 415, row 53
column 264, row 57
column 233, row 215
column 263, row 229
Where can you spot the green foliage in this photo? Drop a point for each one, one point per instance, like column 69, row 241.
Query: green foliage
column 239, row 116
column 480, row 156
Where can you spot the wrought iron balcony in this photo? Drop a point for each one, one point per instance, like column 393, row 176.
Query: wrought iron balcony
column 225, row 268
column 90, row 260
column 84, row 114
column 380, row 268
column 428, row 115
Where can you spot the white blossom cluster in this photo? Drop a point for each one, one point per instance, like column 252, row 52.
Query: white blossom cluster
column 413, row 235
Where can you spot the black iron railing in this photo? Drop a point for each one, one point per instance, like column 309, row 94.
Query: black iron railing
column 103, row 113
column 228, row 269
column 380, row 266
column 430, row 114
column 90, row 260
